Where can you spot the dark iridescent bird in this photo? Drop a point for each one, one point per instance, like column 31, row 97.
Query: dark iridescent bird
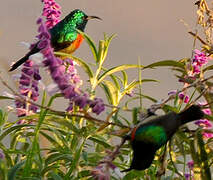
column 154, row 132
column 64, row 35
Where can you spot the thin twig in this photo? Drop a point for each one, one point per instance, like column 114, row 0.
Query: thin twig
column 198, row 37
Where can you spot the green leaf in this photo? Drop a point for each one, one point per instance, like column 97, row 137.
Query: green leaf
column 111, row 92
column 65, row 123
column 76, row 159
column 133, row 84
column 205, row 169
column 117, row 69
column 125, row 78
column 51, row 139
column 17, row 127
column 50, row 168
column 3, row 118
column 58, row 156
column 84, row 173
column 136, row 98
column 116, row 83
column 171, row 63
column 135, row 115
column 55, row 176
column 167, row 108
column 91, row 44
column 100, row 141
column 12, row 172
column 101, row 50
column 103, row 47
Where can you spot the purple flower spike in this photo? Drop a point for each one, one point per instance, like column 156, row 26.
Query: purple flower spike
column 28, row 87
column 97, row 105
column 199, row 59
column 81, row 101
column 52, row 13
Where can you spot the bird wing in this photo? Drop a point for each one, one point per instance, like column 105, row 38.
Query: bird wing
column 62, row 38
column 143, row 155
column 152, row 134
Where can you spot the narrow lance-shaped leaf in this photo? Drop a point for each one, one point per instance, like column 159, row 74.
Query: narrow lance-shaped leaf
column 136, row 98
column 101, row 50
column 106, row 45
column 111, row 91
column 117, row 69
column 133, row 84
column 91, row 44
column 125, row 78
column 12, row 172
column 116, row 83
column 171, row 63
column 76, row 159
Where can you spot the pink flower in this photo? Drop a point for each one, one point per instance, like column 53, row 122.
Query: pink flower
column 172, row 92
column 205, row 123
column 184, row 97
column 190, row 164
column 208, row 135
column 199, row 59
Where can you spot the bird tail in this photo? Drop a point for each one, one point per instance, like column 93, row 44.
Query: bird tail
column 193, row 113
column 25, row 58
column 19, row 63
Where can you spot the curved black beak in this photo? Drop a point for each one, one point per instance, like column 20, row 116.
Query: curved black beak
column 92, row 17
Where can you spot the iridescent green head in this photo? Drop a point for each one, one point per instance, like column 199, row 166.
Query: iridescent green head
column 78, row 19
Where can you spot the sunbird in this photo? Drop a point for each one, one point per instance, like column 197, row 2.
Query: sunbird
column 154, row 132
column 65, row 36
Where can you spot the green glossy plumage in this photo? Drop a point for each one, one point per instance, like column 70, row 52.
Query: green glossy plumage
column 154, row 132
column 65, row 32
column 151, row 134
column 63, row 35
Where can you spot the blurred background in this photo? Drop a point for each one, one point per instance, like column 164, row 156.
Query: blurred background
column 150, row 30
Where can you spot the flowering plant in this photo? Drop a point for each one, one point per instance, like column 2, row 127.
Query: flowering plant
column 76, row 143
